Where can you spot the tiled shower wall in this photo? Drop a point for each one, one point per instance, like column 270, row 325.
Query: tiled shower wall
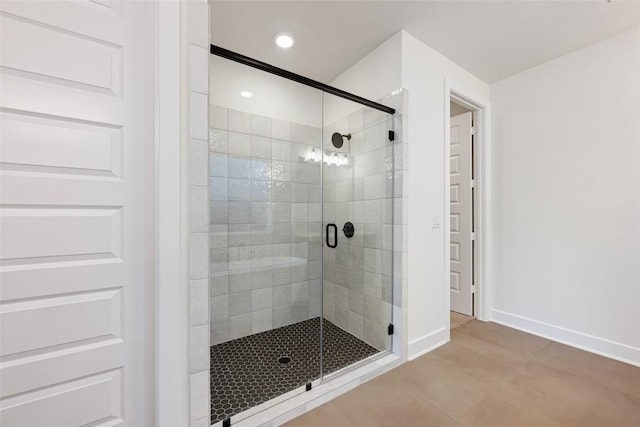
column 358, row 272
column 265, row 212
column 198, row 79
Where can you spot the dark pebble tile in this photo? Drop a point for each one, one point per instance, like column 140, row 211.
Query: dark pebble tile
column 246, row 372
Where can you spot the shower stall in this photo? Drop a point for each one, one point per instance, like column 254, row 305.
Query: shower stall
column 301, row 191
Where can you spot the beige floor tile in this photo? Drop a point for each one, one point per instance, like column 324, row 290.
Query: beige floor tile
column 488, row 335
column 457, row 320
column 618, row 376
column 321, row 416
column 494, row 370
column 383, row 406
column 566, row 399
column 447, row 385
column 492, row 376
column 375, row 404
column 493, row 412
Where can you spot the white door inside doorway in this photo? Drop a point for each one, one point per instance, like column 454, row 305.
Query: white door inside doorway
column 461, row 220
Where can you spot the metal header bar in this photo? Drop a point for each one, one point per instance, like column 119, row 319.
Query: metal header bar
column 234, row 56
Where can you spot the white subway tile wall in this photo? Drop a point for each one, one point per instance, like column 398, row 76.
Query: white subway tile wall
column 265, row 231
column 198, row 48
column 357, row 287
column 264, row 224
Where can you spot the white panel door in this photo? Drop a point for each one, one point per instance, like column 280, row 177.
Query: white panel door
column 461, row 215
column 72, row 188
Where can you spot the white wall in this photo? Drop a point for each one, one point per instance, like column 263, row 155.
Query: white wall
column 426, row 74
column 403, row 61
column 567, row 206
column 377, row 74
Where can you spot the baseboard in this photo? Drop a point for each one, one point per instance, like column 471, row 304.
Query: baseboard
column 427, row 343
column 601, row 346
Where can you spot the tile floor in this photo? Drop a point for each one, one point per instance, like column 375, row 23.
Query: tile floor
column 491, row 375
column 458, row 319
column 246, row 372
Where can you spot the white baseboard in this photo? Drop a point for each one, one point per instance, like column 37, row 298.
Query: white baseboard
column 601, row 346
column 427, row 343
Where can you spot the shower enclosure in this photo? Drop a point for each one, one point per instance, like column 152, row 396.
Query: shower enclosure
column 301, row 232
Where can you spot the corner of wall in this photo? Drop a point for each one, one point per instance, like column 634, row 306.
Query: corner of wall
column 382, row 68
column 425, row 73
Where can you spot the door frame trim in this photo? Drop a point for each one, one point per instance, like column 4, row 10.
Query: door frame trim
column 482, row 208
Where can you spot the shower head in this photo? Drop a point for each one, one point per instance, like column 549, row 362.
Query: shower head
column 337, row 139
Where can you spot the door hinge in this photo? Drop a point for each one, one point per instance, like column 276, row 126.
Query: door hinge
column 392, row 135
column 390, row 329
column 473, row 236
column 473, row 130
column 473, row 289
column 473, row 183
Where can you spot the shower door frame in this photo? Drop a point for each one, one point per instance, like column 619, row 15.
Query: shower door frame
column 324, row 88
column 242, row 59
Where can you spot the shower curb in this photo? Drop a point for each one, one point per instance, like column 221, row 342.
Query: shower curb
column 291, row 405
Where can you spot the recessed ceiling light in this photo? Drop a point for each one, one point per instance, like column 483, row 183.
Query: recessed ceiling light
column 246, row 94
column 284, row 40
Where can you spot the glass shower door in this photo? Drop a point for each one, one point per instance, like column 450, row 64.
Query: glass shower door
column 357, row 179
column 301, row 230
column 265, row 272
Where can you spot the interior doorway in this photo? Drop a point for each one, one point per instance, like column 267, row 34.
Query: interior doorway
column 462, row 210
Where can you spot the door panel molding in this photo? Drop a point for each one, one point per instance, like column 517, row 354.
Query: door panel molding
column 460, row 200
column 77, row 140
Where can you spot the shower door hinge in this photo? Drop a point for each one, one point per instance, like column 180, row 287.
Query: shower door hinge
column 390, row 329
column 392, row 135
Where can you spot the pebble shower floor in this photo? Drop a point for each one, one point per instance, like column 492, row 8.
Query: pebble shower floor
column 246, row 372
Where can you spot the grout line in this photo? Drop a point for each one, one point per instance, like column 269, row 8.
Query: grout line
column 430, row 402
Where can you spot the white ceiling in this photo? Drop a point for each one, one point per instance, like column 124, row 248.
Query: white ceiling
column 491, row 39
